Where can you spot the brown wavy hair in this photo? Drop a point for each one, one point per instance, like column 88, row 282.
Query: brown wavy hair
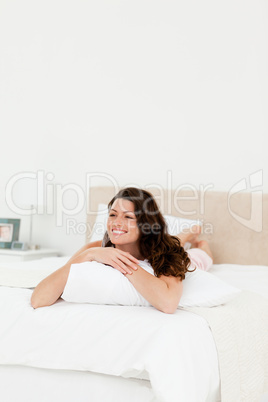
column 163, row 251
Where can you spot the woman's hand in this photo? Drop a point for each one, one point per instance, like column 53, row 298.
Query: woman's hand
column 118, row 259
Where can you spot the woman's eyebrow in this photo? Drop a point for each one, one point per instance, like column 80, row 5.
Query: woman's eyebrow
column 125, row 212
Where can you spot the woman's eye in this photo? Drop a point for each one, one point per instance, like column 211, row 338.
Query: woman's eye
column 128, row 217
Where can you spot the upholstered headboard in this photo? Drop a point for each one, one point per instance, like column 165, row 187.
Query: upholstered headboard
column 236, row 225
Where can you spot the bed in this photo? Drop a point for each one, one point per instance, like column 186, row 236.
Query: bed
column 89, row 352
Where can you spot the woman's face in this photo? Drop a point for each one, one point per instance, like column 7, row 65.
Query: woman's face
column 122, row 223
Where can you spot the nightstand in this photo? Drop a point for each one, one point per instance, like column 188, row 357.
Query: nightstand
column 8, row 255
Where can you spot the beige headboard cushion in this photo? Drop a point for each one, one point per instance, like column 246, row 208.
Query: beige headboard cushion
column 236, row 226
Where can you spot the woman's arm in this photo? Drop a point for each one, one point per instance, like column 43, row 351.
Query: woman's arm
column 49, row 290
column 163, row 293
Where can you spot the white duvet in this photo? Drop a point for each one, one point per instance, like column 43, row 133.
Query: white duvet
column 175, row 352
column 180, row 354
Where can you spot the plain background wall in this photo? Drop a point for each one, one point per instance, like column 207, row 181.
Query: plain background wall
column 145, row 92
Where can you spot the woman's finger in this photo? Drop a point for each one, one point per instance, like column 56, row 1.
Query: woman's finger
column 126, row 253
column 128, row 256
column 128, row 262
column 120, row 266
column 133, row 258
column 117, row 266
column 118, row 259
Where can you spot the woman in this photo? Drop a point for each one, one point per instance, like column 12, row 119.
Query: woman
column 136, row 230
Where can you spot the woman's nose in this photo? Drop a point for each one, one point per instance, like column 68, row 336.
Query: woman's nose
column 118, row 221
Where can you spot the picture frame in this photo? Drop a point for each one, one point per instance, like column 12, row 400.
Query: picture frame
column 9, row 231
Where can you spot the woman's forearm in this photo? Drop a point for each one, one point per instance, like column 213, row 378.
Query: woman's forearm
column 50, row 288
column 164, row 294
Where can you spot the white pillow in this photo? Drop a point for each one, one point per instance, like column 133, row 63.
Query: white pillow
column 203, row 289
column 100, row 224
column 93, row 282
column 175, row 225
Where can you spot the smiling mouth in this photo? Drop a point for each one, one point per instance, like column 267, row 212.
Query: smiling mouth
column 119, row 232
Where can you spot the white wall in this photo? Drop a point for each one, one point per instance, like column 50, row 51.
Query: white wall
column 143, row 91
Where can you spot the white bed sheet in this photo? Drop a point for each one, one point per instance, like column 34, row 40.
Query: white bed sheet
column 246, row 277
